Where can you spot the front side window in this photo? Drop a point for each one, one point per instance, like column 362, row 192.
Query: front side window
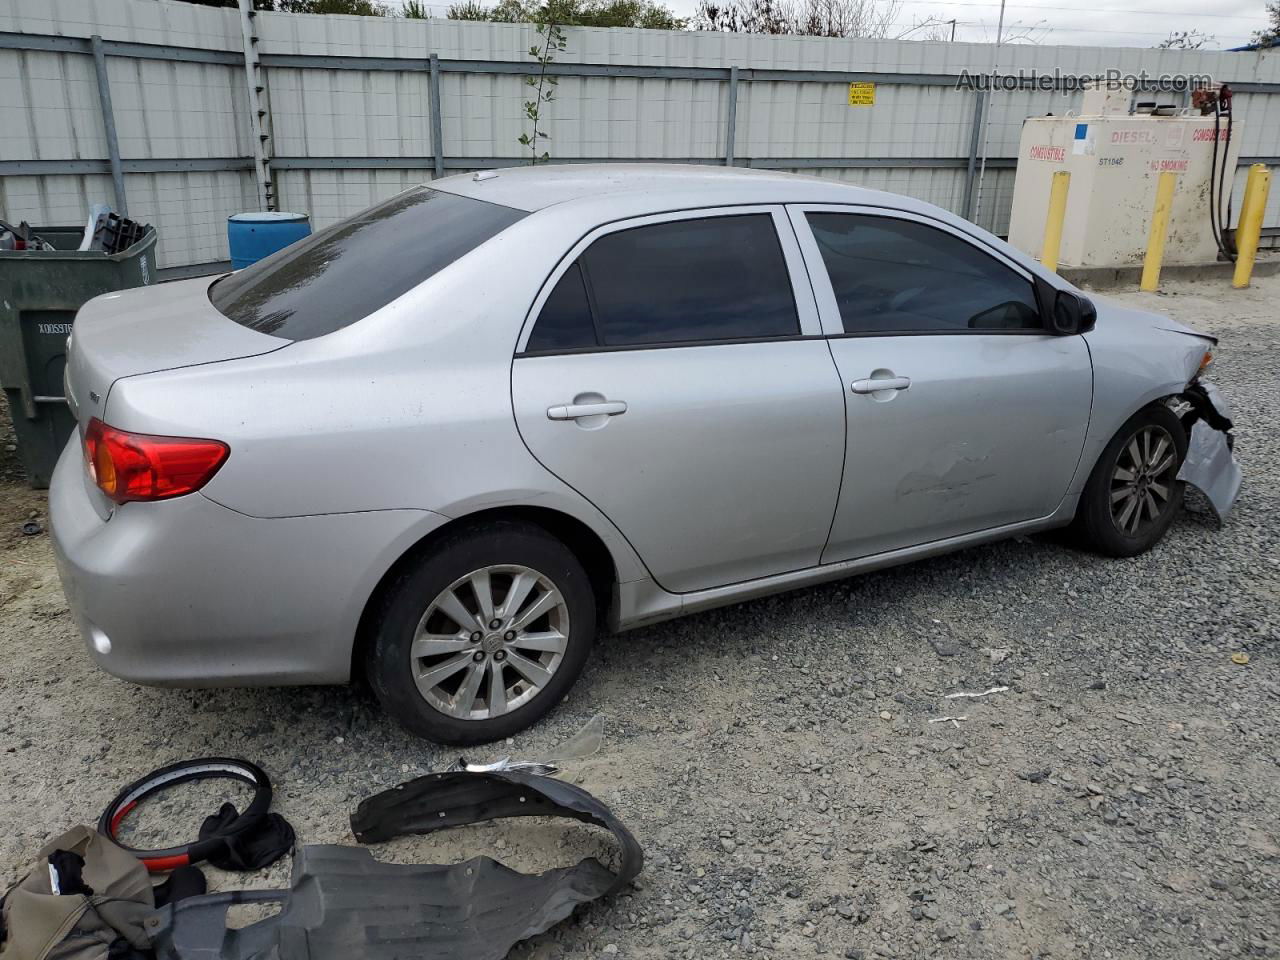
column 899, row 276
column 347, row 271
column 718, row 278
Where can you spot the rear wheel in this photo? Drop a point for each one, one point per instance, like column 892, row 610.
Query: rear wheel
column 484, row 635
column 1133, row 493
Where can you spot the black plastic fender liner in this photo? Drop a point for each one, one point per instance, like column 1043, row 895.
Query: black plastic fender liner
column 452, row 798
column 345, row 905
column 186, row 771
column 1202, row 398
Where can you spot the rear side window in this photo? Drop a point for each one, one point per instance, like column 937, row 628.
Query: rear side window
column 898, row 276
column 347, row 271
column 565, row 321
column 718, row 278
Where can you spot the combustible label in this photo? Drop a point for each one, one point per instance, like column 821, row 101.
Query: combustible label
column 1045, row 152
column 862, row 94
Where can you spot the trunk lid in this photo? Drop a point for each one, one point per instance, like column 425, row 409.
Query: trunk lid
column 146, row 329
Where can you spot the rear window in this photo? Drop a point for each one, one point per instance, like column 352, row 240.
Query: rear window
column 347, row 271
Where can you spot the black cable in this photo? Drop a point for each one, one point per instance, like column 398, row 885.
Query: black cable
column 1213, row 170
column 1228, row 235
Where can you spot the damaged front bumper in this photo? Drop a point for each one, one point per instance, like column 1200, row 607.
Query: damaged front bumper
column 1210, row 465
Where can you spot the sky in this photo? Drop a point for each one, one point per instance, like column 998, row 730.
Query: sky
column 1127, row 23
column 1131, row 23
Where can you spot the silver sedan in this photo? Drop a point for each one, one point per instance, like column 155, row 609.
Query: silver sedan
column 441, row 443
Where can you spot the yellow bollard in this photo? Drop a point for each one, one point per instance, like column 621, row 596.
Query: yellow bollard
column 1250, row 227
column 1053, row 225
column 1159, row 231
column 1250, row 185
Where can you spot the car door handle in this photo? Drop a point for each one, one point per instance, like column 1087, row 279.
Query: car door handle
column 875, row 386
column 572, row 411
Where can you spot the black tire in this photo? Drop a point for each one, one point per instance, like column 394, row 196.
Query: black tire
column 1095, row 526
column 389, row 664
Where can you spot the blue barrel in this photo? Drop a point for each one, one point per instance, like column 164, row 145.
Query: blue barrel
column 253, row 236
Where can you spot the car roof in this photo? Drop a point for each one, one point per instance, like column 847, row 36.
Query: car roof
column 665, row 186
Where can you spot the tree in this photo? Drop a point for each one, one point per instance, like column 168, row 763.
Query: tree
column 355, row 8
column 553, row 41
column 1271, row 35
column 648, row 14
column 1185, row 40
column 877, row 19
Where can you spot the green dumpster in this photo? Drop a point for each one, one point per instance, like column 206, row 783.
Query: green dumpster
column 40, row 292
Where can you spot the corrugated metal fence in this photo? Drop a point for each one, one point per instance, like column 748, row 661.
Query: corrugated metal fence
column 355, row 109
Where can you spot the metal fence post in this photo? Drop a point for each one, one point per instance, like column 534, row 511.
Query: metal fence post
column 975, row 139
column 109, row 124
column 437, row 125
column 731, row 124
column 257, row 115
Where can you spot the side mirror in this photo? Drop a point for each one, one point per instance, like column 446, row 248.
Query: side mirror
column 1072, row 314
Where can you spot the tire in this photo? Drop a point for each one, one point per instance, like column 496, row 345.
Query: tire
column 1117, row 533
column 427, row 687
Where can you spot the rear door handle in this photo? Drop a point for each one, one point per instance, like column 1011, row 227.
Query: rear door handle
column 572, row 411
column 875, row 386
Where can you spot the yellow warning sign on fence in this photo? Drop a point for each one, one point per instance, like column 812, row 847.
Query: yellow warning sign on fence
column 862, row 94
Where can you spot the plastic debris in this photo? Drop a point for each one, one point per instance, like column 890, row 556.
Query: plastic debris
column 585, row 743
column 505, row 764
column 582, row 744
column 21, row 238
column 96, row 212
column 957, row 696
column 955, row 721
column 1240, row 657
column 344, row 904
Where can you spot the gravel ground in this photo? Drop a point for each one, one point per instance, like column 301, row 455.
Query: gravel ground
column 776, row 761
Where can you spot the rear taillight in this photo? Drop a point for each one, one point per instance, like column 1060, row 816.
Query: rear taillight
column 138, row 466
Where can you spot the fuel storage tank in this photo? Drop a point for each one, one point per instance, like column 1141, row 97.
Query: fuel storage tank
column 1115, row 155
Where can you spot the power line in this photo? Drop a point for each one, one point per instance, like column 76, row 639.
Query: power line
column 1123, row 33
column 1028, row 6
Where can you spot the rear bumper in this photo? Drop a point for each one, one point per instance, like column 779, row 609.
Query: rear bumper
column 186, row 592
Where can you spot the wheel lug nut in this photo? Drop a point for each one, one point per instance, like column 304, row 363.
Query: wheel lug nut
column 494, row 624
column 509, row 636
column 477, row 637
column 500, row 656
column 478, row 656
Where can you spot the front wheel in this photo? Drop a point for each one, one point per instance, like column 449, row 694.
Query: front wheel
column 1133, row 493
column 484, row 635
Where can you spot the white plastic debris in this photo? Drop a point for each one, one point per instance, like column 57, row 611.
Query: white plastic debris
column 984, row 693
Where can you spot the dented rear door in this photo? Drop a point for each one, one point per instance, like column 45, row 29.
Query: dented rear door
column 963, row 415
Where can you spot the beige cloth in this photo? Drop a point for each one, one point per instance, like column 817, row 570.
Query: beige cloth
column 42, row 925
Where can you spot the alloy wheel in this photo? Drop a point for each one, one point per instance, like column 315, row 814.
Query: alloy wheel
column 490, row 642
column 1142, row 482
